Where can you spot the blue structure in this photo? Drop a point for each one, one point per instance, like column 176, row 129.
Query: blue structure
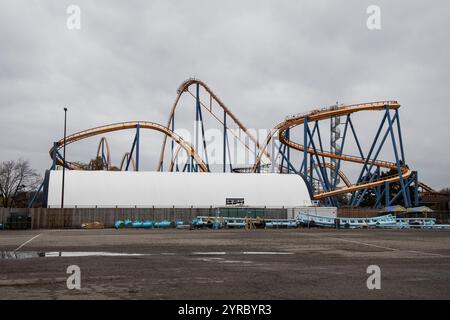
column 317, row 171
column 321, row 169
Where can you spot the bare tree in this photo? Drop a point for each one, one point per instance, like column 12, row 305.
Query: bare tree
column 16, row 177
column 97, row 164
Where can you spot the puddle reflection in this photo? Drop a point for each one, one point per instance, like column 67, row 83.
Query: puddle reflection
column 36, row 254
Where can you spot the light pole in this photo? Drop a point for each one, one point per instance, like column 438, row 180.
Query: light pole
column 64, row 159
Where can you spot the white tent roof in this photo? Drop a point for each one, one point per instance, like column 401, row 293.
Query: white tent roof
column 161, row 189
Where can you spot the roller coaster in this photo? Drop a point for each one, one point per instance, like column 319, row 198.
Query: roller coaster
column 320, row 168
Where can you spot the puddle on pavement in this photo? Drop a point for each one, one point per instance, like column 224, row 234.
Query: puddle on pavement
column 37, row 254
column 8, row 255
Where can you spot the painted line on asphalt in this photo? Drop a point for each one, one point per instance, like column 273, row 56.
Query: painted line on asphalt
column 244, row 252
column 351, row 241
column 429, row 253
column 27, row 242
column 266, row 252
column 209, row 253
column 392, row 249
column 364, row 243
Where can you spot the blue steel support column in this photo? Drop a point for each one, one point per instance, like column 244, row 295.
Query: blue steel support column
column 281, row 150
column 316, row 127
column 321, row 167
column 172, row 142
column 30, row 204
column 361, row 178
column 317, row 167
column 356, row 137
column 408, row 182
column 386, row 194
column 289, row 164
column 138, row 126
column 200, row 117
column 323, row 171
column 400, row 136
column 197, row 119
column 402, row 152
column 305, row 151
column 131, row 153
column 416, row 189
column 224, row 141
column 397, row 161
column 378, row 189
column 53, row 166
column 54, row 156
column 288, row 151
column 379, row 197
column 369, row 175
column 230, row 161
column 373, row 146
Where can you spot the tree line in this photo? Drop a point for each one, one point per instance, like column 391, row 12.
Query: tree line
column 17, row 181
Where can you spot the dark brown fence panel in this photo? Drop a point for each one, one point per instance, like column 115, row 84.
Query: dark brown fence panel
column 56, row 218
column 4, row 214
column 272, row 213
column 358, row 212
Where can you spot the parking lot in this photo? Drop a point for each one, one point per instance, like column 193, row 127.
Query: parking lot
column 225, row 264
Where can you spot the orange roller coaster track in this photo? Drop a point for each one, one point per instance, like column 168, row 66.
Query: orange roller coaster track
column 343, row 111
column 184, row 88
column 312, row 151
column 291, row 122
column 124, row 126
column 104, row 152
column 125, row 159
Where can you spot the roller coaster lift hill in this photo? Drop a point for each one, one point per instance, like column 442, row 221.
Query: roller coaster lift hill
column 320, row 168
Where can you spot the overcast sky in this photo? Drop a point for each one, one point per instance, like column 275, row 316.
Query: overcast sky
column 265, row 59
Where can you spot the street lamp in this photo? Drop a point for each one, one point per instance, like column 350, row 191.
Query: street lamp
column 64, row 159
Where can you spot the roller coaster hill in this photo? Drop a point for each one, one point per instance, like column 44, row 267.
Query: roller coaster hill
column 318, row 145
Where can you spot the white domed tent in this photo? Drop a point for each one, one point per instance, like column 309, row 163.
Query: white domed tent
column 162, row 189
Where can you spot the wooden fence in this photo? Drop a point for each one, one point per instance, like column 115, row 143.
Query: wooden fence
column 72, row 218
column 55, row 218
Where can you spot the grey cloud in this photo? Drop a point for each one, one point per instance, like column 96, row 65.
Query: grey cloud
column 265, row 59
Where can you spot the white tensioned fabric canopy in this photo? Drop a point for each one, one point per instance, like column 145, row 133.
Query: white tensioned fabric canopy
column 166, row 189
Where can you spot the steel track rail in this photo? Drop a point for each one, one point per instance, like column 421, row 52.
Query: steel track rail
column 125, row 126
column 184, row 88
column 326, row 113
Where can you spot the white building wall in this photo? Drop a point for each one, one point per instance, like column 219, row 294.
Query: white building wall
column 161, row 189
column 330, row 212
